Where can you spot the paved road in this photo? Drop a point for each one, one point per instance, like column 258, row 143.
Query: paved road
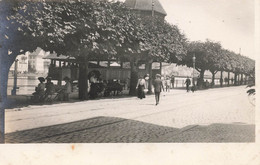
column 215, row 115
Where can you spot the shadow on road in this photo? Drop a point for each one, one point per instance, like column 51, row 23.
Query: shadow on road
column 119, row 130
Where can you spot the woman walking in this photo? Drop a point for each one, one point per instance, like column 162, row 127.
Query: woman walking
column 140, row 87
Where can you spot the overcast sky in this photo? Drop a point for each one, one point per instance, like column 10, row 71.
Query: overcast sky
column 230, row 22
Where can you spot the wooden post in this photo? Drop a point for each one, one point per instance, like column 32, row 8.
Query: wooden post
column 83, row 78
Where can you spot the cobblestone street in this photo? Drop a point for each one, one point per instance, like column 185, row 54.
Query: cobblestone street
column 215, row 115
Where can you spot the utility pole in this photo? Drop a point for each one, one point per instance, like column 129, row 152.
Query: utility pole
column 150, row 62
column 193, row 74
column 15, row 78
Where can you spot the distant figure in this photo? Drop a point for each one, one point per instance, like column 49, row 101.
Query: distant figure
column 172, row 80
column 168, row 84
column 38, row 95
column 41, row 86
column 163, row 81
column 140, row 87
column 158, row 86
column 187, row 82
column 50, row 88
column 207, row 84
column 226, row 80
column 147, row 77
column 66, row 89
column 232, row 80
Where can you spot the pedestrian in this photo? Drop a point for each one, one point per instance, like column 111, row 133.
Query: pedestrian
column 207, row 84
column 140, row 87
column 158, row 86
column 38, row 95
column 172, row 80
column 168, row 84
column 226, row 80
column 187, row 82
column 66, row 89
column 147, row 77
column 39, row 90
column 232, row 79
column 50, row 88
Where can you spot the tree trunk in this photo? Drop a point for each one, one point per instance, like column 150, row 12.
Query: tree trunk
column 235, row 79
column 242, row 79
column 149, row 71
column 238, row 79
column 5, row 66
column 83, row 80
column 213, row 78
column 221, row 78
column 133, row 78
column 228, row 77
column 201, row 79
column 246, row 78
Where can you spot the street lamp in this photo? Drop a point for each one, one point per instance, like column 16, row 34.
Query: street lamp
column 152, row 8
column 194, row 60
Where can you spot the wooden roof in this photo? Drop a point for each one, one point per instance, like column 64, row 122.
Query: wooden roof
column 145, row 5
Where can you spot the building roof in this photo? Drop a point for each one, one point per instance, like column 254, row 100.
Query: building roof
column 145, row 5
column 60, row 57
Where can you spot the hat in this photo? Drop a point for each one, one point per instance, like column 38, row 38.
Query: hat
column 158, row 75
column 66, row 78
column 48, row 78
column 41, row 79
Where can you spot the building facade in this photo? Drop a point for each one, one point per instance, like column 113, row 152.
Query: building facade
column 32, row 62
column 22, row 64
column 36, row 63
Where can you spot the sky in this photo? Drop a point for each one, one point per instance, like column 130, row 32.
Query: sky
column 230, row 22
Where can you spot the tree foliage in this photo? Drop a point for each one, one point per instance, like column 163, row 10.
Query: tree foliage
column 211, row 56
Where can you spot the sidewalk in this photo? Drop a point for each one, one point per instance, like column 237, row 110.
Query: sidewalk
column 19, row 101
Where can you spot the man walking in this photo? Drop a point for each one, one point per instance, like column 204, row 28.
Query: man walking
column 172, row 81
column 158, row 85
column 168, row 84
column 187, row 82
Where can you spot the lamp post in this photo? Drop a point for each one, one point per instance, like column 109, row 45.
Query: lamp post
column 152, row 8
column 194, row 60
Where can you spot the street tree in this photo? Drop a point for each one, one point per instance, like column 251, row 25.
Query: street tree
column 203, row 62
column 18, row 30
column 162, row 42
column 88, row 30
column 214, row 55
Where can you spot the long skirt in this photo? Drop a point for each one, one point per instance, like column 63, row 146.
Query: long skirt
column 140, row 92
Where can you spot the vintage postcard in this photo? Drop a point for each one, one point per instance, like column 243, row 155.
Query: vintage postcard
column 129, row 82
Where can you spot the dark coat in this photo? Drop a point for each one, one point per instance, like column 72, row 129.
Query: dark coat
column 188, row 82
column 158, row 85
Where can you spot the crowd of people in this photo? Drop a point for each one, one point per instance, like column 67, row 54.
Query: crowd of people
column 45, row 91
column 158, row 85
column 104, row 88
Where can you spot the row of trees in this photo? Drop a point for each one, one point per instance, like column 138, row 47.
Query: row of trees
column 211, row 56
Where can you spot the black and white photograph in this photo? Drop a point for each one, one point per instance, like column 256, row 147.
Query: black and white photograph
column 122, row 77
